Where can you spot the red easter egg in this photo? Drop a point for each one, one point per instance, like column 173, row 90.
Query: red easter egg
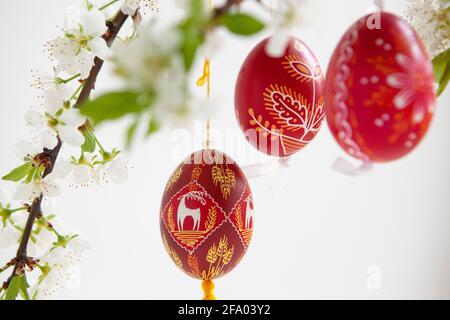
column 380, row 93
column 279, row 101
column 206, row 216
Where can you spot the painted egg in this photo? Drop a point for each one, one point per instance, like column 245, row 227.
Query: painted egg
column 279, row 101
column 380, row 93
column 207, row 215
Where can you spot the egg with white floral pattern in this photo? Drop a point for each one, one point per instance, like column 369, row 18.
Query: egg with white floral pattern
column 380, row 91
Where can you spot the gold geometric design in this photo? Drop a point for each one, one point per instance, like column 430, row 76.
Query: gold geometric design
column 247, row 236
column 190, row 238
column 238, row 214
column 174, row 177
column 194, row 265
column 211, row 219
column 172, row 253
column 218, row 257
column 226, row 179
column 170, row 219
column 196, row 173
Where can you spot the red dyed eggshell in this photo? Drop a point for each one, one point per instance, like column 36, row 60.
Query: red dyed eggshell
column 206, row 216
column 380, row 93
column 279, row 101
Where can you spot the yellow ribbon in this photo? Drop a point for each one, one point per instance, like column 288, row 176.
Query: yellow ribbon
column 206, row 77
column 208, row 289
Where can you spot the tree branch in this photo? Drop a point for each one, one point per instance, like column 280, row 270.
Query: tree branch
column 49, row 156
column 220, row 11
column 110, row 35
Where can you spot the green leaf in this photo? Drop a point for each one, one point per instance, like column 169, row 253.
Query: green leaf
column 197, row 12
column 89, row 141
column 131, row 131
column 13, row 288
column 24, row 288
column 192, row 32
column 153, row 126
column 241, row 23
column 441, row 65
column 19, row 173
column 190, row 42
column 114, row 105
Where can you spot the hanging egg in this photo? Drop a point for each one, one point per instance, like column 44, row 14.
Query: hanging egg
column 279, row 101
column 206, row 215
column 380, row 93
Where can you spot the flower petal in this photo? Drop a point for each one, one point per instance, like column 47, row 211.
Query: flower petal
column 93, row 22
column 25, row 149
column 79, row 243
column 71, row 136
column 118, row 171
column 62, row 169
column 84, row 63
column 276, row 46
column 35, row 119
column 81, row 174
column 53, row 100
column 24, row 192
column 73, row 118
column 100, row 48
column 49, row 138
column 64, row 50
column 49, row 187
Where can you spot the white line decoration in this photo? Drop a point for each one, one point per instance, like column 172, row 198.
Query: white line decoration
column 345, row 132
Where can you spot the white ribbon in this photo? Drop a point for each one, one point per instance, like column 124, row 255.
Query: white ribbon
column 278, row 167
column 258, row 170
column 379, row 4
column 344, row 166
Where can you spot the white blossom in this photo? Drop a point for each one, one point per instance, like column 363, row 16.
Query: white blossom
column 9, row 236
column 286, row 16
column 431, row 20
column 46, row 186
column 51, row 126
column 129, row 7
column 60, row 263
column 26, row 151
column 82, row 40
column 82, row 174
column 152, row 63
column 213, row 43
column 42, row 241
column 91, row 170
column 54, row 88
column 115, row 171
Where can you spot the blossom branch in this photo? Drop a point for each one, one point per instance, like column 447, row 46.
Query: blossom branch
column 220, row 11
column 49, row 156
column 114, row 27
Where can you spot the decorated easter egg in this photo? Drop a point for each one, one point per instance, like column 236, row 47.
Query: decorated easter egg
column 279, row 101
column 207, row 215
column 380, row 93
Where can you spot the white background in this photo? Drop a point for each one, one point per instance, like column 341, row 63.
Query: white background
column 317, row 237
